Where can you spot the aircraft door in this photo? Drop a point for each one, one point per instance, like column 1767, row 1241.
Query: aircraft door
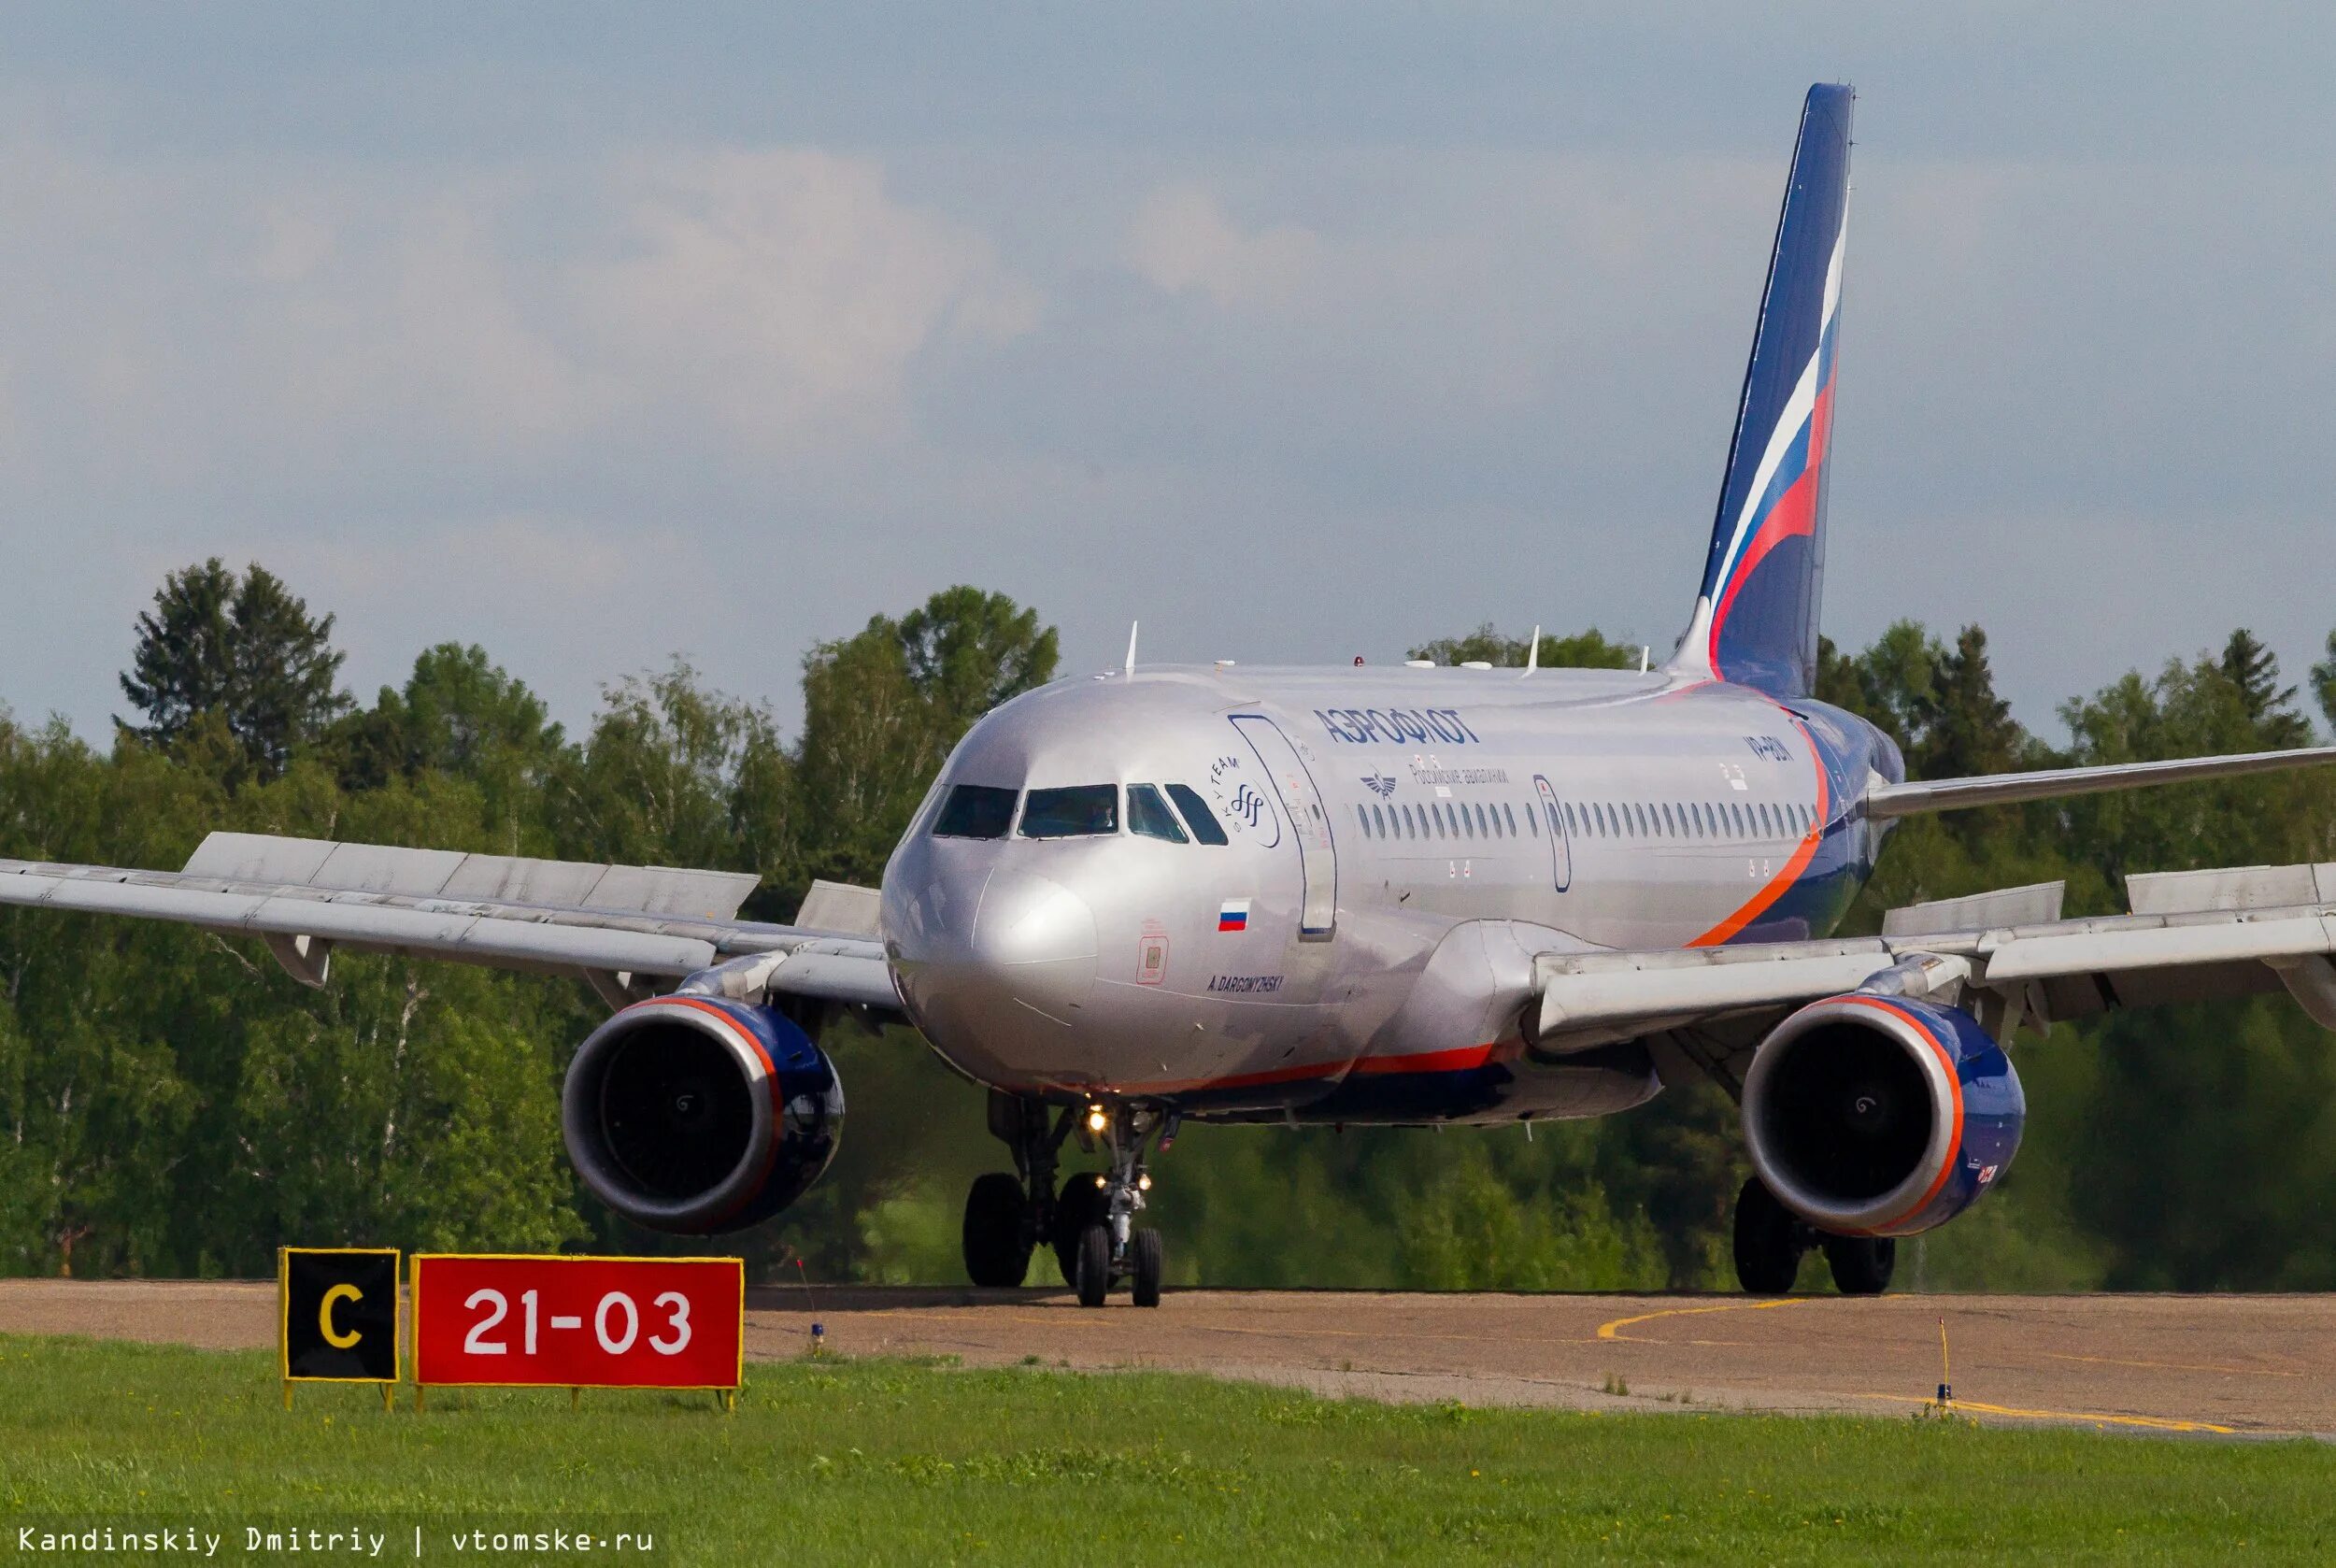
column 1302, row 803
column 1560, row 845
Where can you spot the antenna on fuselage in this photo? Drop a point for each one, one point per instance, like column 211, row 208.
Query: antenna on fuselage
column 1127, row 671
column 1533, row 655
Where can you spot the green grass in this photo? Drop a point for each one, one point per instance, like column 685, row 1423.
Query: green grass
column 889, row 1461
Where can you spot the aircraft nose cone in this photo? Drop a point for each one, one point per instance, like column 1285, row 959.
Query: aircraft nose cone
column 1035, row 938
column 992, row 958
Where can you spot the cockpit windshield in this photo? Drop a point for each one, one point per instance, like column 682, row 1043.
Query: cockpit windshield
column 975, row 811
column 1080, row 811
column 1197, row 816
column 1148, row 816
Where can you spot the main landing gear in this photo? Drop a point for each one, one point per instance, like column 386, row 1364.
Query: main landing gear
column 1089, row 1223
column 1770, row 1238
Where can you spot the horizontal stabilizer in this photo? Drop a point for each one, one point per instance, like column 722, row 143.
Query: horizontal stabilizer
column 2009, row 789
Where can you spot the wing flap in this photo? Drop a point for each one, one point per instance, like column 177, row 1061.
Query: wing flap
column 381, row 868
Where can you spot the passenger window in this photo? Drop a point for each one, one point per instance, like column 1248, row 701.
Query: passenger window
column 1510, row 812
column 1482, row 826
column 1197, row 816
column 1148, row 816
column 1080, row 811
column 1768, row 822
column 1378, row 819
column 1671, row 826
column 975, row 811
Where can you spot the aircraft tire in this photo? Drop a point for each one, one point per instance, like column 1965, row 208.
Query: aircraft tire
column 1094, row 1265
column 997, row 1254
column 1082, row 1203
column 1768, row 1242
column 1861, row 1266
column 1145, row 1259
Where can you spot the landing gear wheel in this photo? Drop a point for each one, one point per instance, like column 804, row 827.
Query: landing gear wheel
column 1094, row 1265
column 1144, row 1260
column 997, row 1252
column 1768, row 1242
column 1084, row 1202
column 1861, row 1265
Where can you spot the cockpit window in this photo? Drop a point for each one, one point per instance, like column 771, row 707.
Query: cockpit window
column 1196, row 815
column 1080, row 811
column 975, row 811
column 1148, row 816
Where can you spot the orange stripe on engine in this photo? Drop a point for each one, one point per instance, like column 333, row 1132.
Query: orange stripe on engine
column 1955, row 1087
column 1776, row 887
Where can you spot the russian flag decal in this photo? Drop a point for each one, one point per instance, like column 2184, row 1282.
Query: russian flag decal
column 1233, row 915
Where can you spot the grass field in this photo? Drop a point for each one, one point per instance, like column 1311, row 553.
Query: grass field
column 886, row 1461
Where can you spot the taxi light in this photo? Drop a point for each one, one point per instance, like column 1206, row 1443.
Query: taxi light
column 1097, row 1118
column 1144, row 1182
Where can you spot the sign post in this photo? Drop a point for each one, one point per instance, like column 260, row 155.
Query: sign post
column 336, row 1317
column 500, row 1320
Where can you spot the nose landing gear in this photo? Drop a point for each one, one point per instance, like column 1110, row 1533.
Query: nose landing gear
column 1111, row 1247
column 1090, row 1223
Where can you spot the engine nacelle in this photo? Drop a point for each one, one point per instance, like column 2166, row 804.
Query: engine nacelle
column 698, row 1114
column 1880, row 1115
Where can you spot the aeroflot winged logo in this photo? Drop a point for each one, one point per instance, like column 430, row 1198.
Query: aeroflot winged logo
column 1380, row 785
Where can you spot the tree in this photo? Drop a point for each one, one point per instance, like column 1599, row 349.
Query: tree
column 1591, row 649
column 239, row 660
column 2254, row 669
column 884, row 709
column 2323, row 683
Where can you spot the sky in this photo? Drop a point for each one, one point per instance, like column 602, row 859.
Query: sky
column 600, row 334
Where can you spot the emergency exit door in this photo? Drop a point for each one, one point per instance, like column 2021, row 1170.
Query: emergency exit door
column 1561, row 843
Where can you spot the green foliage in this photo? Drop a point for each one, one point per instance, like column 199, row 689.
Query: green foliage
column 234, row 669
column 1591, row 649
column 845, row 1461
column 171, row 1103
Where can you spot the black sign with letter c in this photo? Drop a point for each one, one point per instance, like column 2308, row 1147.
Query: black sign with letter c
column 339, row 1314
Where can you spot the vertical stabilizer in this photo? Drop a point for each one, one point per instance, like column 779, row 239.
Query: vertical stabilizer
column 1756, row 617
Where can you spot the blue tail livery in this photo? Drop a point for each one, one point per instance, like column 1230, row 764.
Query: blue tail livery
column 1755, row 620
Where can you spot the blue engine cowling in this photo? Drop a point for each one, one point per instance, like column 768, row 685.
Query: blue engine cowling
column 698, row 1114
column 1878, row 1115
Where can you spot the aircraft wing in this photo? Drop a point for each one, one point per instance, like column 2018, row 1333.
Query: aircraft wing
column 2005, row 957
column 2005, row 789
column 618, row 927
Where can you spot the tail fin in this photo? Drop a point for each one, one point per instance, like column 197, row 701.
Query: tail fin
column 1755, row 619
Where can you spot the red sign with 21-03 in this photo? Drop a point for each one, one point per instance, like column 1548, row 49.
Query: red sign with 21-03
column 578, row 1322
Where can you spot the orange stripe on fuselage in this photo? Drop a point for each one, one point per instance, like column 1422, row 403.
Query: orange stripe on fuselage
column 1793, row 867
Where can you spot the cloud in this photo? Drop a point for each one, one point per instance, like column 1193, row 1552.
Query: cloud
column 1182, row 240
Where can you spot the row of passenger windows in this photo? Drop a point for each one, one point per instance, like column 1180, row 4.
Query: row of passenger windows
column 1077, row 811
column 1672, row 819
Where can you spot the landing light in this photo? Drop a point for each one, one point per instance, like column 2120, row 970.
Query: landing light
column 1144, row 1182
column 1097, row 1118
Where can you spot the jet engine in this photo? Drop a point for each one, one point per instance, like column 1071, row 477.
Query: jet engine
column 1880, row 1115
column 697, row 1114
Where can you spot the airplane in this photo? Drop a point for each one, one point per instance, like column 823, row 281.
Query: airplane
column 1357, row 894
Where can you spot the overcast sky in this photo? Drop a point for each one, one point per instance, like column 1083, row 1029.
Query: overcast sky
column 1299, row 332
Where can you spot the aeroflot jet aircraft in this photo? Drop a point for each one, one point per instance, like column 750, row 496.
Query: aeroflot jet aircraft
column 1373, row 895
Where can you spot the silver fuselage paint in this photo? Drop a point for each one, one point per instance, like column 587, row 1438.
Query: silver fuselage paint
column 1449, row 824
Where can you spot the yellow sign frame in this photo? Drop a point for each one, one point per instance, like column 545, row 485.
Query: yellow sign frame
column 729, row 1394
column 283, row 1318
